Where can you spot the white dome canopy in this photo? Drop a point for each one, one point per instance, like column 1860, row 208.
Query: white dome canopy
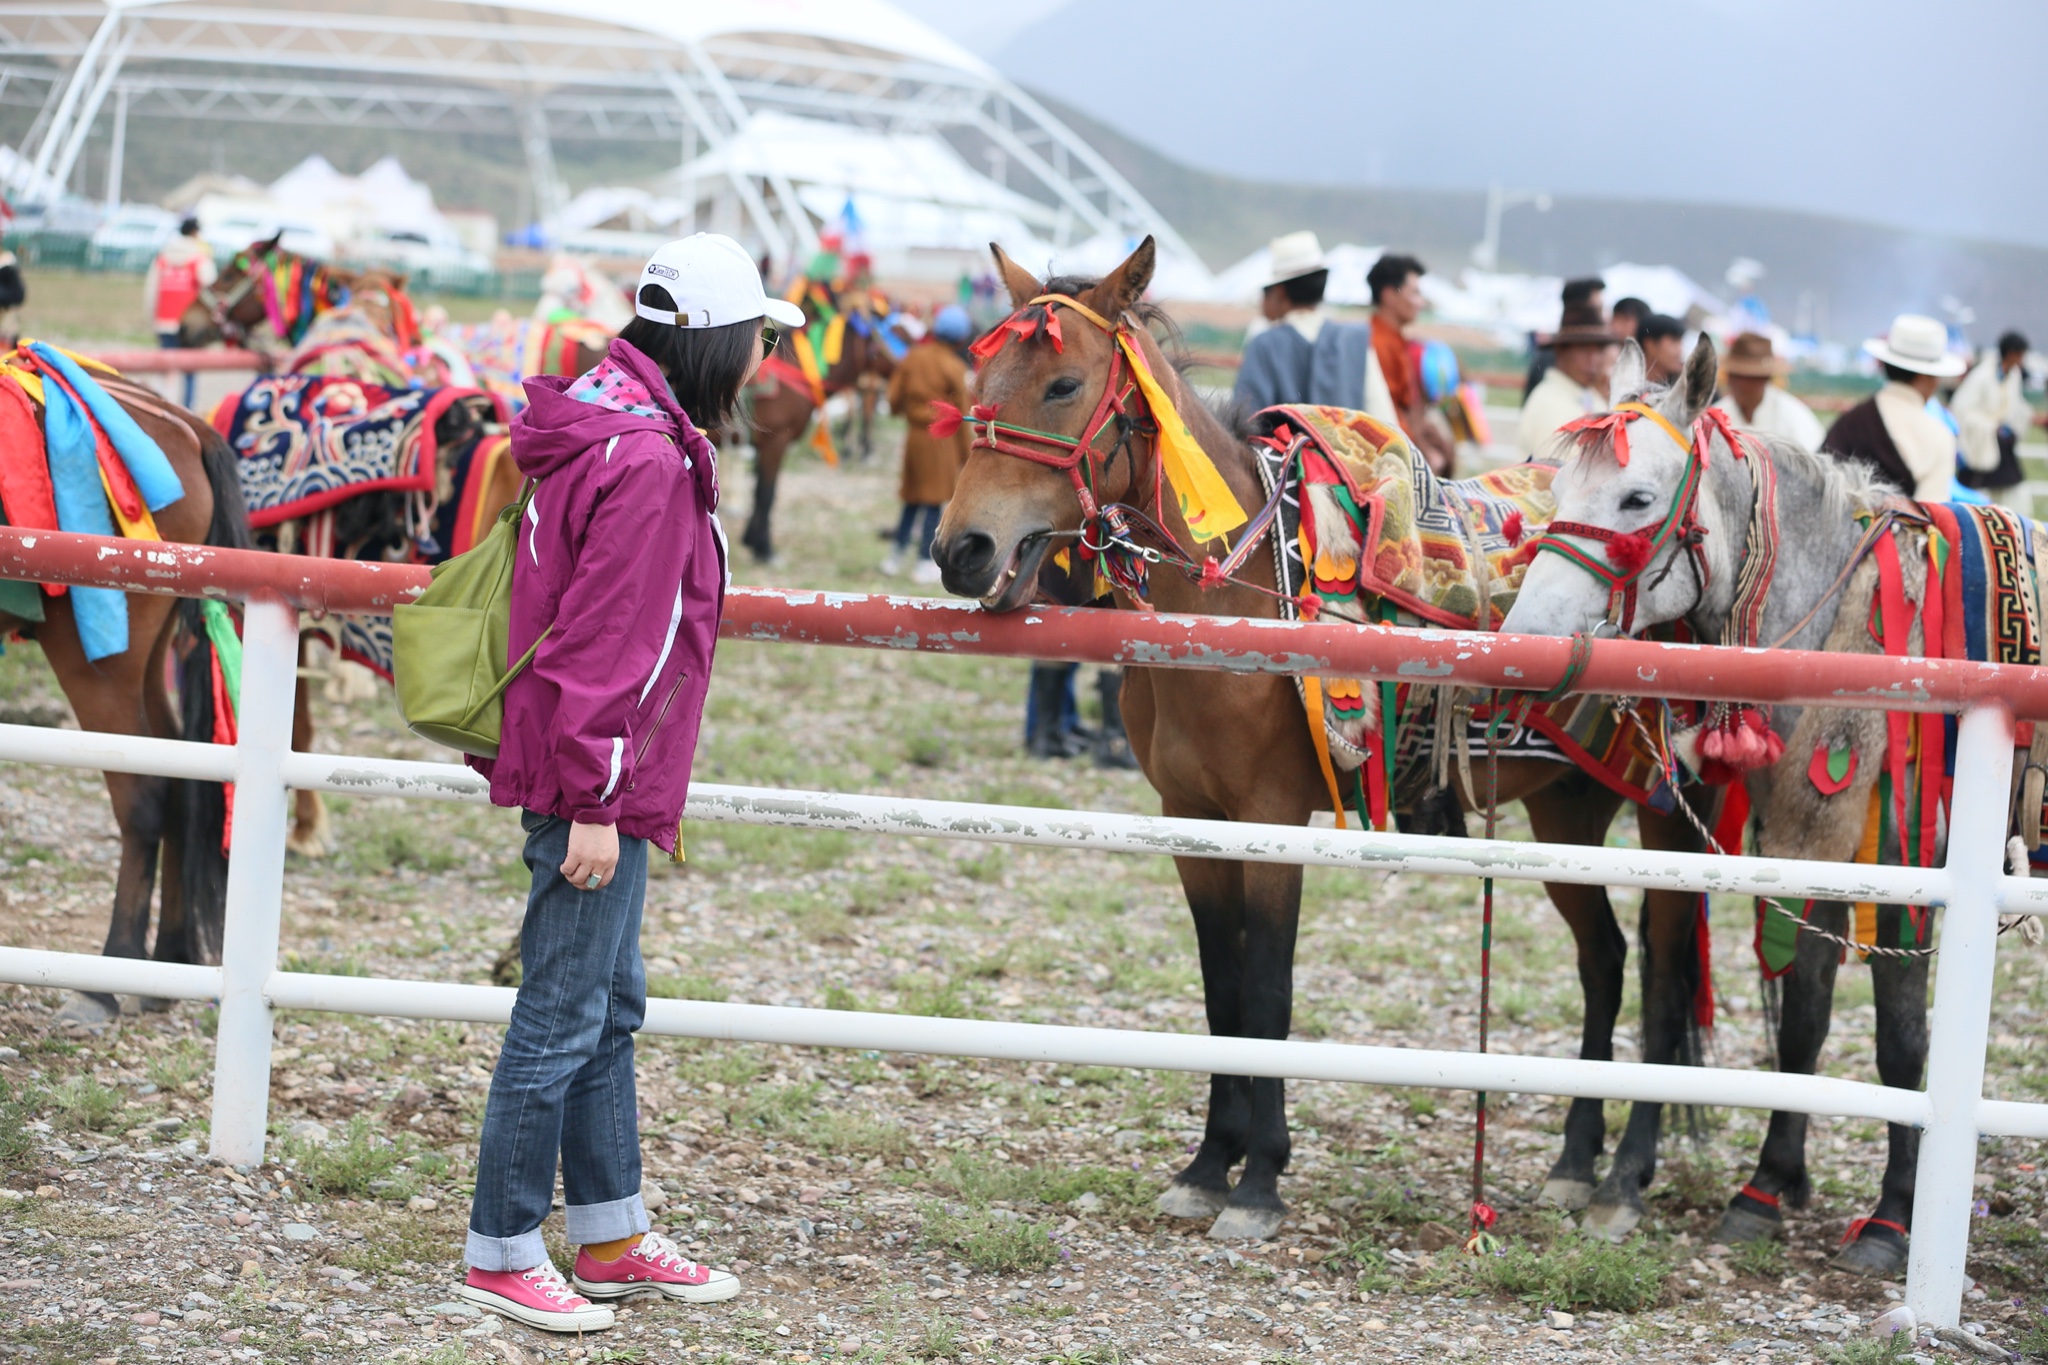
column 692, row 74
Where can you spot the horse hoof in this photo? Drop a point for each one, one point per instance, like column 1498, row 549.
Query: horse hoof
column 1571, row 1195
column 1240, row 1224
column 1192, row 1201
column 1740, row 1225
column 84, row 1010
column 1876, row 1256
column 154, row 1004
column 1610, row 1222
column 313, row 844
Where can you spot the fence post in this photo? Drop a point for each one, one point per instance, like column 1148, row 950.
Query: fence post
column 1944, row 1186
column 255, row 894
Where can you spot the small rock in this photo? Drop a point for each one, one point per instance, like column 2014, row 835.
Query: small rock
column 456, row 1310
column 1088, row 1201
column 421, row 1203
column 8, row 1054
column 241, row 1218
column 750, row 1196
column 1558, row 1321
column 1892, row 1321
column 415, row 1096
column 1375, row 1325
column 167, row 1125
column 149, row 1319
column 1435, row 1237
column 810, row 1194
column 299, row 1232
column 231, row 1337
column 249, row 1269
column 309, row 1131
column 653, row 1196
column 1970, row 1343
column 978, row 1313
column 47, row 1191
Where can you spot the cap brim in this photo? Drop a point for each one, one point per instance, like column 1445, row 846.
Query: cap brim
column 788, row 314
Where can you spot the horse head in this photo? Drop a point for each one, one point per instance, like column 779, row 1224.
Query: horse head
column 229, row 308
column 1049, row 432
column 1651, row 504
column 380, row 296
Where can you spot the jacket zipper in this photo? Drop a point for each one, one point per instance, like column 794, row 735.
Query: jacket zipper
column 667, row 702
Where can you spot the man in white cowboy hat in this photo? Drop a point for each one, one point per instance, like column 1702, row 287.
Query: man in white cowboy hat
column 1754, row 402
column 1892, row 431
column 1304, row 356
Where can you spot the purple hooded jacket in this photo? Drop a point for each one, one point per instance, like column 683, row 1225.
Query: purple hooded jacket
column 620, row 550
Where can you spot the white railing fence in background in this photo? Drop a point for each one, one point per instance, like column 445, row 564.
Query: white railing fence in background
column 1971, row 884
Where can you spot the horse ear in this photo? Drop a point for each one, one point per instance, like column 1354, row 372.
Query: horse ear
column 1630, row 374
column 1702, row 372
column 1125, row 285
column 1021, row 283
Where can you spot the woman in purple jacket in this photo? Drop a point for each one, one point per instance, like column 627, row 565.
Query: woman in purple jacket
column 622, row 568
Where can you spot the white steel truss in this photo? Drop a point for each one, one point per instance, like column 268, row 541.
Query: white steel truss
column 538, row 76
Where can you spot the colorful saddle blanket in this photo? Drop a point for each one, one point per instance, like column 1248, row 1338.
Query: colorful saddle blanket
column 83, row 465
column 505, row 352
column 1377, row 538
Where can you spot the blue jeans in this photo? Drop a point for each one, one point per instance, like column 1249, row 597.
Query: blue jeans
column 564, row 1081
column 168, row 341
column 907, row 524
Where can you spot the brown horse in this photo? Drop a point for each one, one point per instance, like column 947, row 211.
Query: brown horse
column 361, row 325
column 128, row 694
column 779, row 405
column 1218, row 745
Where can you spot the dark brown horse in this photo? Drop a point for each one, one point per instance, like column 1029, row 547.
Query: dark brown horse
column 779, row 405
column 1218, row 745
column 128, row 694
column 360, row 324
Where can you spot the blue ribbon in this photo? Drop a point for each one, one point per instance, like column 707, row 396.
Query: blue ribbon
column 154, row 478
column 101, row 613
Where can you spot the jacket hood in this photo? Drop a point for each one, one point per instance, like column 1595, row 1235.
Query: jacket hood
column 625, row 393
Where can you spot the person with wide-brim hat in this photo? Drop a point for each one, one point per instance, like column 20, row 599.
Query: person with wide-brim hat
column 1753, row 399
column 1302, row 355
column 1892, row 431
column 1575, row 385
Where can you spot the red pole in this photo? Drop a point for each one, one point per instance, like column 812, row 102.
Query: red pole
column 184, row 361
column 1147, row 639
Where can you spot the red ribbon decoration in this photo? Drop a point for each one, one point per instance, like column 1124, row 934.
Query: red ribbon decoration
column 1706, row 424
column 1614, row 424
column 1023, row 326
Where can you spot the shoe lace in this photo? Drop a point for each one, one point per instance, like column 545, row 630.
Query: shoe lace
column 548, row 1280
column 665, row 1253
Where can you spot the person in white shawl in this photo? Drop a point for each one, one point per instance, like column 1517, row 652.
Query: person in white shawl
column 1993, row 415
column 1755, row 402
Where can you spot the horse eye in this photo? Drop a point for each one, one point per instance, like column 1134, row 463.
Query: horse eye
column 1636, row 501
column 1062, row 388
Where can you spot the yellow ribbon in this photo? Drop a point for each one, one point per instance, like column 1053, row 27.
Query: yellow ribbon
column 1645, row 410
column 31, row 382
column 1206, row 502
column 835, row 339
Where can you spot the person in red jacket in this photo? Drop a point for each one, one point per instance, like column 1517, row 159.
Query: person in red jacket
column 621, row 576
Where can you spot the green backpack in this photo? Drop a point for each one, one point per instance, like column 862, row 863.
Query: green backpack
column 448, row 646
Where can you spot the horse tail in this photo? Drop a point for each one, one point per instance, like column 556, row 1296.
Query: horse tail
column 198, row 811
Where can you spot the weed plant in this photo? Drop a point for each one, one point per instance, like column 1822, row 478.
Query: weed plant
column 359, row 1162
column 18, row 1109
column 1574, row 1271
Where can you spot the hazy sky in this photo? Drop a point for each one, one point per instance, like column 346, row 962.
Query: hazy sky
column 1924, row 116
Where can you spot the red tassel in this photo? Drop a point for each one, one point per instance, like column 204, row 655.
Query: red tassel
column 986, row 412
column 1484, row 1215
column 1629, row 553
column 946, row 420
column 1212, row 574
column 1308, row 605
column 1511, row 526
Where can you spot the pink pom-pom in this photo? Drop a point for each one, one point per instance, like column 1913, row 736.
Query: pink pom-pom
column 945, row 420
column 1714, row 744
column 1746, row 748
column 1774, row 746
column 1511, row 526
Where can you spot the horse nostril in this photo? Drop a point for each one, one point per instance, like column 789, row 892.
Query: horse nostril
column 967, row 554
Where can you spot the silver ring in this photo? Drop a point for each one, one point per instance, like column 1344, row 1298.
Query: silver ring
column 596, row 879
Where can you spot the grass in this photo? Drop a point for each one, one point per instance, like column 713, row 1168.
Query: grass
column 325, row 966
column 692, row 986
column 940, row 1340
column 1574, row 1271
column 1897, row 1346
column 85, row 1104
column 17, row 1110
column 359, row 1162
column 2033, row 1343
column 184, row 1062
column 1764, row 1259
column 987, row 1241
column 388, row 840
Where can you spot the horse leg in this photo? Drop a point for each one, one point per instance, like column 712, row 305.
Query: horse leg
column 1668, row 934
column 164, row 723
column 1602, row 955
column 1272, row 913
column 311, row 836
column 1215, row 892
column 1803, row 1019
column 1900, row 986
column 107, row 696
column 769, row 447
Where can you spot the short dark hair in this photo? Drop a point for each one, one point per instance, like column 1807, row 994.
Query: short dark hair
column 1306, row 291
column 1656, row 326
column 188, row 227
column 704, row 365
column 1632, row 307
column 1582, row 289
column 1900, row 373
column 1391, row 271
column 2012, row 343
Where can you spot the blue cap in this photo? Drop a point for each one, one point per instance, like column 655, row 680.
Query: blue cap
column 952, row 324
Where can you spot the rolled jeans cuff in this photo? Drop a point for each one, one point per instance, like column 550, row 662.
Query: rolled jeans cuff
column 523, row 1252
column 584, row 1224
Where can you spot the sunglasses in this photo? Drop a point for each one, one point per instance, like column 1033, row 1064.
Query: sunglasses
column 771, row 337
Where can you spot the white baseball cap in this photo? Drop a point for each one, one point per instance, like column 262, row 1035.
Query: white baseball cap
column 714, row 283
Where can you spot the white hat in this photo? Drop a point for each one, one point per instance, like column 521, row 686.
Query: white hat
column 1293, row 255
column 714, row 283
column 1919, row 344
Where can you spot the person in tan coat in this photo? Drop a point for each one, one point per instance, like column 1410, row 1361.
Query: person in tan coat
column 933, row 372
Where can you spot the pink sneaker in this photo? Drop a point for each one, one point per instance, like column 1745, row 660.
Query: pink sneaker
column 539, row 1297
column 656, row 1264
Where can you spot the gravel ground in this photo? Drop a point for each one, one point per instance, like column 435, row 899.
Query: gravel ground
column 891, row 1208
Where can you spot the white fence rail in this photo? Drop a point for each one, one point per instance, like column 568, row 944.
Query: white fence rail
column 1972, row 885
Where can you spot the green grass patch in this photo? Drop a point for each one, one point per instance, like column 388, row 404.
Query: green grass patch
column 385, row 841
column 690, row 986
column 325, row 966
column 988, row 1240
column 934, row 999
column 182, row 1063
column 1574, row 1271
column 86, row 1105
column 18, row 1109
column 361, row 1161
column 1897, row 1346
column 1764, row 1259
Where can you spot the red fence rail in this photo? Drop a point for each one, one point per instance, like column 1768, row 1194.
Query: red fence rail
column 1088, row 635
column 184, row 361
